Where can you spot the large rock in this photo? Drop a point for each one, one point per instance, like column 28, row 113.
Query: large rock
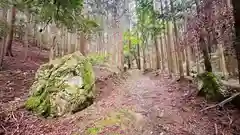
column 66, row 85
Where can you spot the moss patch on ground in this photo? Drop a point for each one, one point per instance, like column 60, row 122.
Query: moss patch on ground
column 116, row 123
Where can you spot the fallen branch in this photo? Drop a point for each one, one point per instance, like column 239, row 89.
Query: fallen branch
column 221, row 104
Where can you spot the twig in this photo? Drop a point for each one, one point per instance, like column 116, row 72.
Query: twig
column 221, row 104
column 14, row 117
column 229, row 117
column 4, row 129
column 17, row 129
column 216, row 129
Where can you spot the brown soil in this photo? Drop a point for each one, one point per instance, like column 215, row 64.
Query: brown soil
column 158, row 105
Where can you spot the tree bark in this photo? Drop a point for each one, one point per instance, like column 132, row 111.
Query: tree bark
column 83, row 44
column 157, row 52
column 188, row 48
column 11, row 32
column 27, row 30
column 162, row 52
column 129, row 57
column 203, row 45
column 179, row 55
column 52, row 49
column 168, row 44
column 236, row 13
column 3, row 37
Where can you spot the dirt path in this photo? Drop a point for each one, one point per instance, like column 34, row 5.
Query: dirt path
column 140, row 105
column 167, row 109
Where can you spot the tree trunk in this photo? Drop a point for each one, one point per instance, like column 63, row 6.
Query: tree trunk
column 62, row 42
column 129, row 57
column 203, row 45
column 187, row 51
column 138, row 55
column 206, row 57
column 144, row 57
column 120, row 49
column 162, row 53
column 168, row 44
column 83, row 44
column 222, row 60
column 2, row 49
column 69, row 42
column 3, row 37
column 52, row 49
column 11, row 32
column 169, row 51
column 236, row 13
column 157, row 52
column 179, row 55
column 27, row 30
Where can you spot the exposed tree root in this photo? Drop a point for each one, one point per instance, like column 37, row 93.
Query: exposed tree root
column 221, row 104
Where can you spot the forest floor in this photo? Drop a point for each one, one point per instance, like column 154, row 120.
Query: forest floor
column 134, row 104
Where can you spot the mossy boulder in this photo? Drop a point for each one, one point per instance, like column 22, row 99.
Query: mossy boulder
column 62, row 86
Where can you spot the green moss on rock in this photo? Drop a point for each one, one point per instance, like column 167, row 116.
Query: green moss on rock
column 210, row 86
column 66, row 85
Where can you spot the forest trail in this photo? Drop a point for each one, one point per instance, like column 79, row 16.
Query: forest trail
column 162, row 106
column 163, row 103
column 136, row 105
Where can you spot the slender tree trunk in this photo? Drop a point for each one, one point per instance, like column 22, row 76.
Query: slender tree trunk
column 35, row 40
column 188, row 49
column 83, row 44
column 203, row 45
column 120, row 49
column 69, row 43
column 222, row 60
column 27, row 30
column 62, row 42
column 169, row 51
column 179, row 55
column 157, row 52
column 129, row 57
column 162, row 53
column 138, row 56
column 168, row 44
column 3, row 37
column 206, row 57
column 52, row 49
column 10, row 36
column 144, row 57
column 236, row 13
